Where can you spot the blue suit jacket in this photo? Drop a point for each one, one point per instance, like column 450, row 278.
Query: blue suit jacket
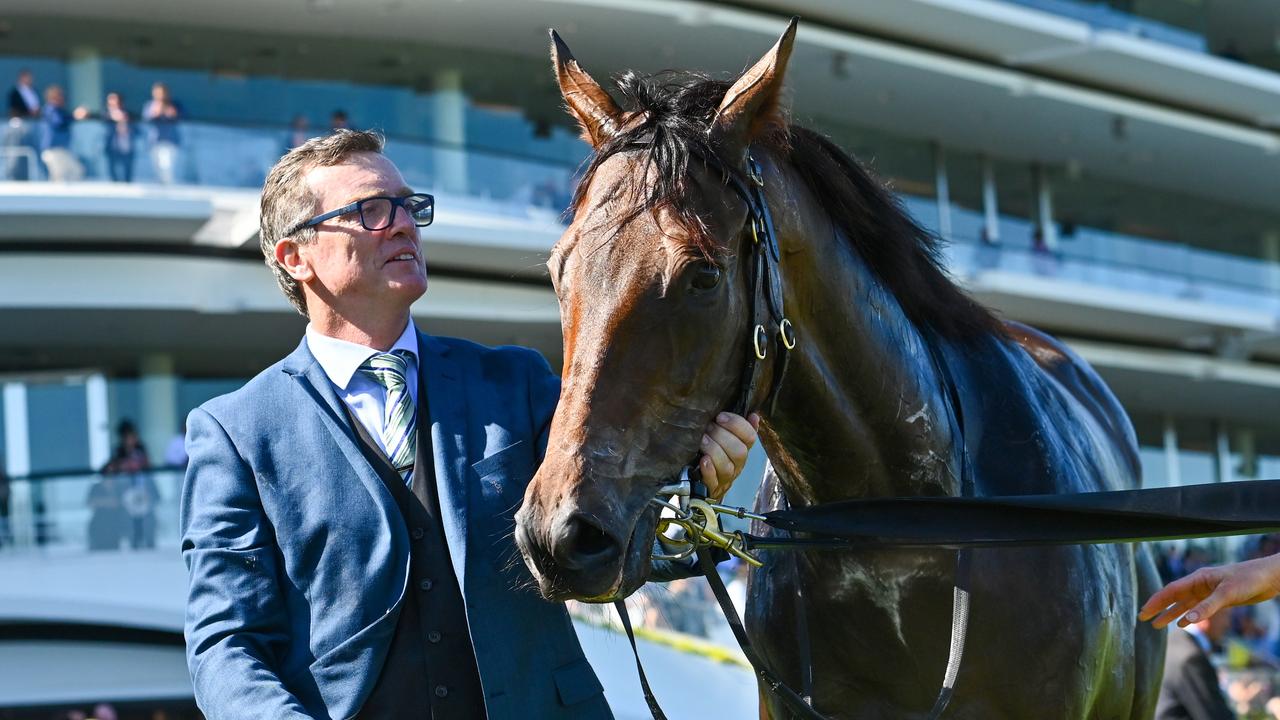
column 298, row 557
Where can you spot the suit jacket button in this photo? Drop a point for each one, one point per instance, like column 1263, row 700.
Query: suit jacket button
column 418, row 533
column 434, row 636
column 426, row 584
column 441, row 691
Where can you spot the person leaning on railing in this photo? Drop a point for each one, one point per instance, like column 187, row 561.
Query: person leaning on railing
column 55, row 137
column 1208, row 590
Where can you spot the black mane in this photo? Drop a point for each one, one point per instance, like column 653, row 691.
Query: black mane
column 675, row 110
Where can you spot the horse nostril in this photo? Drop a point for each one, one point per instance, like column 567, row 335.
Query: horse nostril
column 581, row 543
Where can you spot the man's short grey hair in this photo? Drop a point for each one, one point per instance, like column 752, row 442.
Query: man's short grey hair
column 287, row 200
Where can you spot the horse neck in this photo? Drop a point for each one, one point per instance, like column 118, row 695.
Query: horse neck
column 863, row 410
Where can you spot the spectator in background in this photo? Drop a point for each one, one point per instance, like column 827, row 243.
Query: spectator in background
column 163, row 115
column 175, row 454
column 120, row 139
column 24, row 101
column 138, row 491
column 55, row 137
column 107, row 519
column 299, row 132
column 19, row 132
column 1190, row 689
column 339, row 121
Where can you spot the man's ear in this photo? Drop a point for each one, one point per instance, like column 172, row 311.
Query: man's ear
column 290, row 257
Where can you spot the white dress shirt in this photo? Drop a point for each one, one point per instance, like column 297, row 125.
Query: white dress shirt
column 367, row 399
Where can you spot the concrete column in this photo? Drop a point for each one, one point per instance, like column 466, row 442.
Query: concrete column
column 17, row 463
column 17, row 445
column 1271, row 253
column 1222, row 452
column 158, row 388
column 96, row 405
column 84, row 78
column 943, row 191
column 1171, row 451
column 990, row 205
column 449, row 112
column 1044, row 207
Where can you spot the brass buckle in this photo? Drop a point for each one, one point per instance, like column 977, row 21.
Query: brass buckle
column 759, row 341
column 787, row 333
column 701, row 525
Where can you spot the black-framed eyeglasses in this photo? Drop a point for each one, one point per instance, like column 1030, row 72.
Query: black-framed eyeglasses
column 378, row 213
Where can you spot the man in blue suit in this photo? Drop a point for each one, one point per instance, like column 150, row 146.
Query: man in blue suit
column 347, row 514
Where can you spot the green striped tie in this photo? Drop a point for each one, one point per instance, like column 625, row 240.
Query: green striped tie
column 399, row 417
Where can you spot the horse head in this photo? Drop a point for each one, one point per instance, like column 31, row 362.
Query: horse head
column 654, row 304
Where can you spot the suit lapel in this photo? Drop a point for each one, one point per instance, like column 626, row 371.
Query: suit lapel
column 315, row 385
column 446, row 399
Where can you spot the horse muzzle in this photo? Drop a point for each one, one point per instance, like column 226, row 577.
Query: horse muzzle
column 574, row 555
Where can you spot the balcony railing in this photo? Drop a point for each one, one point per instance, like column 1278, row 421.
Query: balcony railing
column 86, row 511
column 239, row 156
column 1105, row 259
column 1104, row 17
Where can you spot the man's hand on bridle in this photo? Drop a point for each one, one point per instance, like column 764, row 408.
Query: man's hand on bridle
column 725, row 445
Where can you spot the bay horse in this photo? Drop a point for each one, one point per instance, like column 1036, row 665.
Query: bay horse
column 652, row 282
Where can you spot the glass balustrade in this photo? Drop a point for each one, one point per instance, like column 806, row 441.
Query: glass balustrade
column 1107, row 260
column 91, row 512
column 1103, row 16
column 239, row 156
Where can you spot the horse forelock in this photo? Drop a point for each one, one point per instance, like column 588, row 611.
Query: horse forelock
column 667, row 130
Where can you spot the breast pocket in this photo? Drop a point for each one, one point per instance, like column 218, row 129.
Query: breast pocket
column 506, row 473
column 502, row 479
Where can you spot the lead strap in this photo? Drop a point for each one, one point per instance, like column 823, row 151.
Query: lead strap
column 652, row 701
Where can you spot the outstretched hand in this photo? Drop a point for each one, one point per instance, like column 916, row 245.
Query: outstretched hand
column 725, row 445
column 1208, row 590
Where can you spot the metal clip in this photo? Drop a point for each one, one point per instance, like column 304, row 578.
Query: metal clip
column 758, row 339
column 700, row 521
column 787, row 333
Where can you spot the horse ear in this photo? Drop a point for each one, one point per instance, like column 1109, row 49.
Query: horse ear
column 752, row 101
column 593, row 108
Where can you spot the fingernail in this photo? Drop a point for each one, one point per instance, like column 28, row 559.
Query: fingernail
column 723, row 417
column 706, row 440
column 1193, row 616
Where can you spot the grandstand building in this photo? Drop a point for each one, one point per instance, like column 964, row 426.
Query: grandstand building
column 1106, row 171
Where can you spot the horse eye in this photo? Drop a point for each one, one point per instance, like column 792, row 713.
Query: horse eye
column 707, row 276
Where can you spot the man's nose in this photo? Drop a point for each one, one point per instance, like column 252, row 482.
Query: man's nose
column 402, row 222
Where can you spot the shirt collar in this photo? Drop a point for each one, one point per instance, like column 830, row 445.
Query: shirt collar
column 341, row 359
